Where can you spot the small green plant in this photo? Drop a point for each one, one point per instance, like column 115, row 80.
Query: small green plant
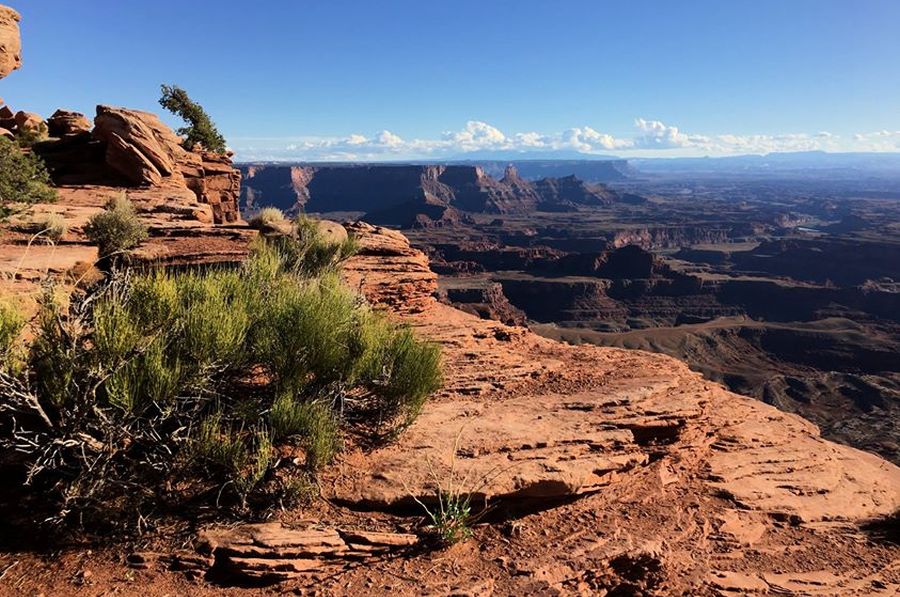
column 200, row 129
column 11, row 324
column 266, row 218
column 452, row 520
column 23, row 179
column 117, row 229
column 451, row 511
column 313, row 422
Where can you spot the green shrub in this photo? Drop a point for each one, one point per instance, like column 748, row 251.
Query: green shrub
column 117, row 229
column 200, row 128
column 303, row 333
column 313, row 422
column 412, row 372
column 11, row 324
column 27, row 138
column 192, row 382
column 309, row 253
column 23, row 178
column 55, row 354
column 267, row 217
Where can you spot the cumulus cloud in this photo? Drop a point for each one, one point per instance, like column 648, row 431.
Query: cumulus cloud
column 477, row 135
column 651, row 137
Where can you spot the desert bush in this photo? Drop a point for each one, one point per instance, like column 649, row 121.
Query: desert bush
column 313, row 422
column 267, row 217
column 11, row 324
column 169, row 387
column 27, row 138
column 54, row 227
column 308, row 253
column 200, row 128
column 23, row 178
column 117, row 229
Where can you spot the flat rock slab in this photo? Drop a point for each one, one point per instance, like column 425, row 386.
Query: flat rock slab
column 526, row 448
column 271, row 551
column 779, row 464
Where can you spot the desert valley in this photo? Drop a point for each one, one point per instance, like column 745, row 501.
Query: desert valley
column 471, row 375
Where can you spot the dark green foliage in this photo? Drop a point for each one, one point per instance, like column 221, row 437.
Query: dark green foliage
column 23, row 178
column 117, row 229
column 200, row 128
column 28, row 138
column 190, row 383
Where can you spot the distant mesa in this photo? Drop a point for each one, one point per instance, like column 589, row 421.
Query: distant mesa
column 411, row 196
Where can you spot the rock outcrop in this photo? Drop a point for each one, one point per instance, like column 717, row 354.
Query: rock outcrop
column 273, row 552
column 66, row 123
column 10, row 41
column 132, row 148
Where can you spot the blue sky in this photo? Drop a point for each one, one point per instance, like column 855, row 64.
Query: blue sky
column 385, row 79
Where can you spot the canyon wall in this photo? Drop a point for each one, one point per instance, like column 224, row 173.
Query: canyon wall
column 411, row 195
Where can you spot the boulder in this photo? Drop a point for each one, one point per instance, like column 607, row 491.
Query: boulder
column 29, row 121
column 129, row 161
column 10, row 41
column 65, row 123
column 157, row 142
column 6, row 113
column 331, row 232
column 7, row 133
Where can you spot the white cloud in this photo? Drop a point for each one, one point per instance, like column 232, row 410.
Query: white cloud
column 389, row 140
column 652, row 137
column 478, row 135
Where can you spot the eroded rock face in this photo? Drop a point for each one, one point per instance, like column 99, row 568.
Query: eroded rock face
column 272, row 552
column 412, row 196
column 66, row 123
column 388, row 271
column 10, row 41
column 134, row 148
column 145, row 133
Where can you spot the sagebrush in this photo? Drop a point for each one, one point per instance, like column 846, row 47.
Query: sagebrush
column 117, row 229
column 162, row 388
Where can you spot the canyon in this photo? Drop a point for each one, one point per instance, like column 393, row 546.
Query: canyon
column 590, row 469
column 782, row 289
column 409, row 196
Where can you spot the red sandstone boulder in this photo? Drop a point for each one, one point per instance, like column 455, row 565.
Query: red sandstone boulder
column 10, row 42
column 65, row 123
column 29, row 121
column 145, row 131
column 129, row 161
